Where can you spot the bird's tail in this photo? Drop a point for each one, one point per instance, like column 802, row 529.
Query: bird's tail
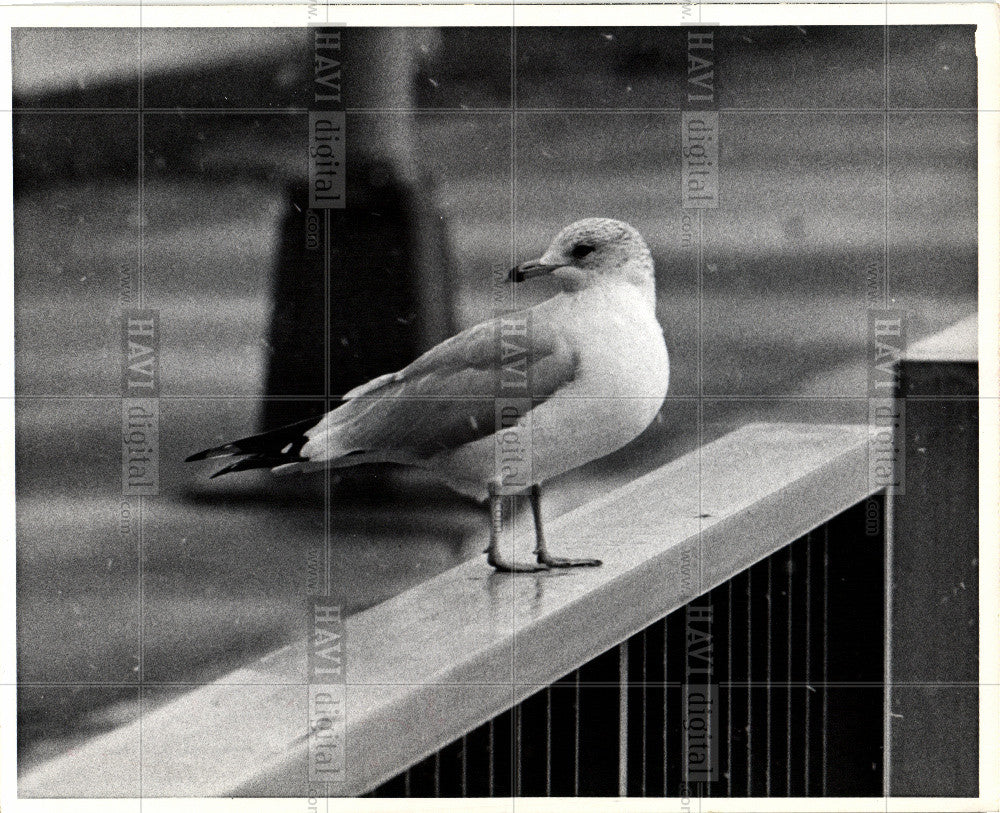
column 267, row 450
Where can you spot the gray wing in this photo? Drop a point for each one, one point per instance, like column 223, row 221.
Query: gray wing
column 447, row 397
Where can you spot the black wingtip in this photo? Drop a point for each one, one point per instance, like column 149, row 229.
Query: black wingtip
column 226, row 470
column 266, row 450
column 256, row 462
column 216, row 451
column 243, row 464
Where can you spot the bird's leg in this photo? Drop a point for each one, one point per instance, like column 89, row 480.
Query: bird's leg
column 493, row 555
column 541, row 552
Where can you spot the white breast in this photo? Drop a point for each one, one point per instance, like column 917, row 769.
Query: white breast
column 621, row 381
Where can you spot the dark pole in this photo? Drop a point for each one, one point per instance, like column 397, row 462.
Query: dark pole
column 380, row 275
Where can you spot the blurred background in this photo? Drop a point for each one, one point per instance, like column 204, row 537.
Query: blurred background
column 847, row 170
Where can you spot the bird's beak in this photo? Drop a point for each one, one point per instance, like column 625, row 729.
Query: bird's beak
column 529, row 269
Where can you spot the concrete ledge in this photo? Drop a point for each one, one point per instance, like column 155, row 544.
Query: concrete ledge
column 430, row 664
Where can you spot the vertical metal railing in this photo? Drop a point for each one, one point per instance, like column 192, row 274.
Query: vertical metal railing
column 806, row 621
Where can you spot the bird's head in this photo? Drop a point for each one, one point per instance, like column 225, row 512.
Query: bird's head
column 590, row 252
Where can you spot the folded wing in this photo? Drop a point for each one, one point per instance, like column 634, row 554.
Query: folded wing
column 447, row 397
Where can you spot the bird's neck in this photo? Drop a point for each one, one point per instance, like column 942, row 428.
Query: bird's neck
column 618, row 288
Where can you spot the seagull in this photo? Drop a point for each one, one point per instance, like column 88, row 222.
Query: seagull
column 510, row 403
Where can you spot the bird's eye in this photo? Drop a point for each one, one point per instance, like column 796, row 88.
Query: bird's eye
column 580, row 251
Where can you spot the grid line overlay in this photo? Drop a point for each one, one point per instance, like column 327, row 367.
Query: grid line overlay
column 887, row 676
column 141, row 297
column 493, row 111
column 515, row 718
column 700, row 398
